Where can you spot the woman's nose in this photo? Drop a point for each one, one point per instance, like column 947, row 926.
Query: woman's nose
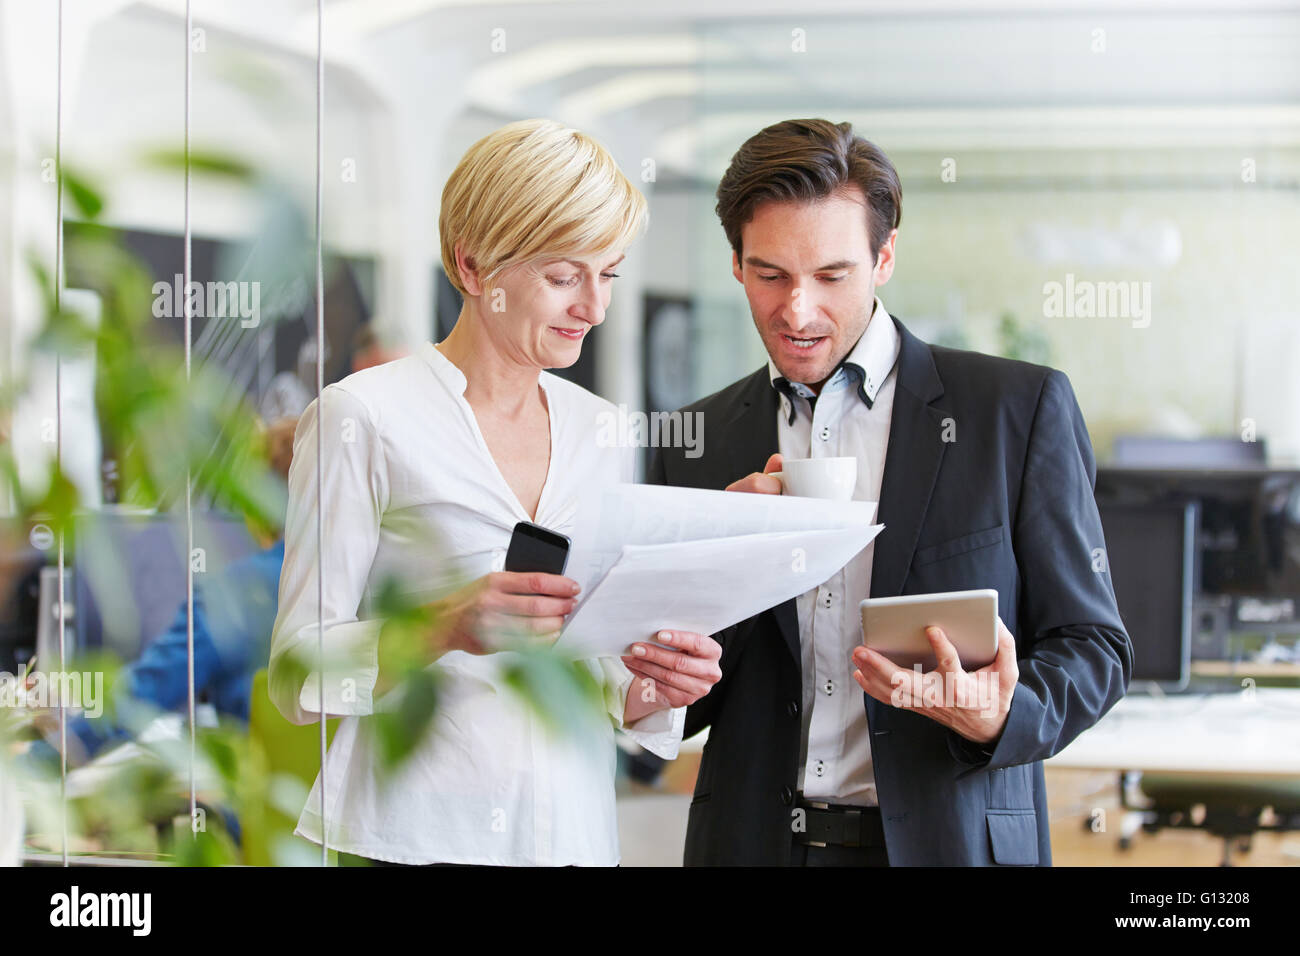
column 591, row 307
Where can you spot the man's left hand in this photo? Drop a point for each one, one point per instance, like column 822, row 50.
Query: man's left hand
column 973, row 704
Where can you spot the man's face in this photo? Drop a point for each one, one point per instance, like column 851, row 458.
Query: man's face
column 810, row 280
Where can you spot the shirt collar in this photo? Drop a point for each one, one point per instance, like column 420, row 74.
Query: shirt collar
column 454, row 380
column 867, row 365
column 445, row 369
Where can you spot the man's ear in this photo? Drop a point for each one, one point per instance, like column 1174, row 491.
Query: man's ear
column 885, row 259
column 735, row 267
column 468, row 271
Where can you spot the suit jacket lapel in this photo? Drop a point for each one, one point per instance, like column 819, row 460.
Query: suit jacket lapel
column 751, row 438
column 912, row 461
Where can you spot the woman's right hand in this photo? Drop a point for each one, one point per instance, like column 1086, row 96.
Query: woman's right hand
column 487, row 613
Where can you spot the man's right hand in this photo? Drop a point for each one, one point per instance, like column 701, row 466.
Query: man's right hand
column 485, row 614
column 761, row 483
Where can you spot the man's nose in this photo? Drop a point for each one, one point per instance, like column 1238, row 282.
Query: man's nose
column 800, row 308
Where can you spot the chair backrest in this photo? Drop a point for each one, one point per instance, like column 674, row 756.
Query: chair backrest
column 130, row 571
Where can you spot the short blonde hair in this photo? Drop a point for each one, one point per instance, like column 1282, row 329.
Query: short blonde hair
column 531, row 189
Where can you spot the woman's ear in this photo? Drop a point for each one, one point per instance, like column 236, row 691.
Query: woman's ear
column 468, row 271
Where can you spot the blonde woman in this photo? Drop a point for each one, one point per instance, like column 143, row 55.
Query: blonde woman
column 455, row 444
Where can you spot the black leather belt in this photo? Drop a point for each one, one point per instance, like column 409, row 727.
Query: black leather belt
column 831, row 824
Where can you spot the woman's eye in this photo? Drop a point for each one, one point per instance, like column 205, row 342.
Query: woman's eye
column 563, row 282
column 609, row 275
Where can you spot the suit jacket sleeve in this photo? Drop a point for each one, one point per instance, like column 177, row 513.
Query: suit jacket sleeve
column 1074, row 655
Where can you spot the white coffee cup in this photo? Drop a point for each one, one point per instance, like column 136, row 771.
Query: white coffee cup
column 833, row 478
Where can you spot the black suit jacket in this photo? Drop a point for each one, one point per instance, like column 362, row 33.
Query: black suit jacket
column 988, row 483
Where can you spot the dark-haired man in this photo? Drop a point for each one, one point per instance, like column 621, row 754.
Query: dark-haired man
column 820, row 751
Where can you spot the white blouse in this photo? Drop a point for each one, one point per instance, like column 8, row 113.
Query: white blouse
column 412, row 494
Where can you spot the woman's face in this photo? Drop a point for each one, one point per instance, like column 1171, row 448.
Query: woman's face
column 539, row 312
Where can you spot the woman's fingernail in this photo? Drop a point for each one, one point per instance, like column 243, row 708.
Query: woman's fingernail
column 666, row 636
column 638, row 650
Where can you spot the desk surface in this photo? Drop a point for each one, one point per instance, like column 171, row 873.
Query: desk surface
column 1248, row 734
column 1246, row 668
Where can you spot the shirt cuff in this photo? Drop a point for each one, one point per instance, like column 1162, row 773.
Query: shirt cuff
column 351, row 667
column 660, row 731
column 968, row 751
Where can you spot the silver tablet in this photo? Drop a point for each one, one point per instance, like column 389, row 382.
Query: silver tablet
column 895, row 626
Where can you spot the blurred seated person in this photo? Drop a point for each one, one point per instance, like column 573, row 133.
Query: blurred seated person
column 234, row 610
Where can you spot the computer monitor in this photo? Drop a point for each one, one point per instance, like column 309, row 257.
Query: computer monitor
column 1151, row 553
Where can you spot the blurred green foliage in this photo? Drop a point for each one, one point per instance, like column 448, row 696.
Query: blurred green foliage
column 1027, row 343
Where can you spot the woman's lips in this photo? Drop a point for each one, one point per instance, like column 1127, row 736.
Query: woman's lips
column 573, row 335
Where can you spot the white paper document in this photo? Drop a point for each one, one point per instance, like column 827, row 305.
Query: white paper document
column 650, row 557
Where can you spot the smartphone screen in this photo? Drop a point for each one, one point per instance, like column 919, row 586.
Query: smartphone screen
column 534, row 548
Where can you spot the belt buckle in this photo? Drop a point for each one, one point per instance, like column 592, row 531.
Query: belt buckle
column 814, row 805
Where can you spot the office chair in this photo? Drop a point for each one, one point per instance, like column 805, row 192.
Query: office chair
column 1230, row 809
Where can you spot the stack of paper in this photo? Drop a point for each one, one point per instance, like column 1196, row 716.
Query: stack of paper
column 650, row 558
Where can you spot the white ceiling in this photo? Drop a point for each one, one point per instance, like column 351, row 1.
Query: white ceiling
column 926, row 75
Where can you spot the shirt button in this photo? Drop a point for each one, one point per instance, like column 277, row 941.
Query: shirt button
column 829, row 687
column 787, row 796
column 826, row 433
column 792, row 708
column 821, row 768
column 826, row 600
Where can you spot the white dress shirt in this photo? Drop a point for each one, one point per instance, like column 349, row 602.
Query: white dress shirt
column 835, row 745
column 412, row 494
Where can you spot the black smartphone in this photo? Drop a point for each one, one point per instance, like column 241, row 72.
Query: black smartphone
column 534, row 548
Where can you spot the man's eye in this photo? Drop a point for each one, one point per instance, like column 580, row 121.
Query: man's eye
column 832, row 278
column 768, row 278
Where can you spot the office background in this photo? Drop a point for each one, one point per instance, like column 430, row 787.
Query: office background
column 1140, row 146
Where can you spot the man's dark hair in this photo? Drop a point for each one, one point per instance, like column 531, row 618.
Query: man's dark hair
column 806, row 160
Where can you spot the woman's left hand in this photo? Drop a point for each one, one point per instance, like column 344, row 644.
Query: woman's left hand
column 672, row 676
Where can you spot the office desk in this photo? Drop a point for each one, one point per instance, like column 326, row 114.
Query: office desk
column 1239, row 669
column 1252, row 734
